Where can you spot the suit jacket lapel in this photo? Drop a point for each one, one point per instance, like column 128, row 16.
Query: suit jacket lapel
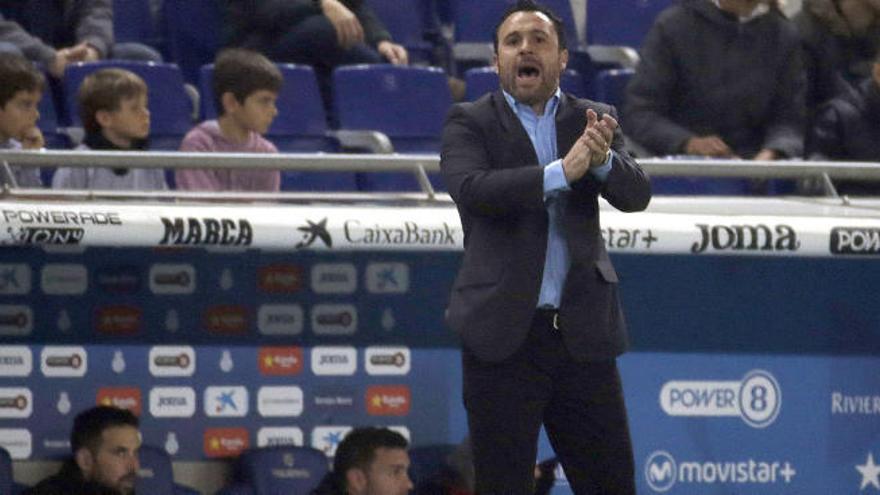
column 570, row 124
column 515, row 133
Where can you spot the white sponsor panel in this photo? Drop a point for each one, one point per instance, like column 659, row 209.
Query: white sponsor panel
column 16, row 403
column 327, row 438
column 64, row 279
column 172, row 361
column 271, row 436
column 663, row 472
column 280, row 401
column 334, row 319
column 226, row 401
column 334, row 278
column 280, row 319
column 64, row 361
column 15, row 279
column 16, row 441
column 16, row 360
column 172, row 402
column 16, row 320
column 334, row 361
column 380, row 360
column 387, row 278
column 168, row 278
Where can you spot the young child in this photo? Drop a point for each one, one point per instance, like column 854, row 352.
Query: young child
column 21, row 87
column 246, row 86
column 113, row 110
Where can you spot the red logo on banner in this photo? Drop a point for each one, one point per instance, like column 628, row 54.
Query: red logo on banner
column 280, row 279
column 225, row 442
column 118, row 320
column 281, row 360
column 226, row 319
column 121, row 397
column 388, row 400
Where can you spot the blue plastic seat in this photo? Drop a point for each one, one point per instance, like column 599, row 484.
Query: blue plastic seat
column 482, row 80
column 133, row 22
column 301, row 126
column 280, row 469
column 410, row 25
column 170, row 107
column 191, row 31
column 408, row 104
column 622, row 22
column 156, row 476
column 610, row 86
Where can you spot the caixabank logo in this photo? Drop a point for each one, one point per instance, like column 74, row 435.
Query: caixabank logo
column 663, row 472
column 756, row 398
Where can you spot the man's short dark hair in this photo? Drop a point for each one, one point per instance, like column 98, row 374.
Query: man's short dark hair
column 106, row 89
column 17, row 74
column 243, row 73
column 358, row 448
column 89, row 425
column 532, row 6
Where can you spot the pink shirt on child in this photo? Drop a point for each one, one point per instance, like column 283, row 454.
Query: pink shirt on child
column 206, row 137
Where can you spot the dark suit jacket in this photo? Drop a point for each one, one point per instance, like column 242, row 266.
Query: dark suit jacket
column 492, row 173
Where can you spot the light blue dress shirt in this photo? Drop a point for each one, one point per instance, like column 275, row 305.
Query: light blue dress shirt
column 542, row 132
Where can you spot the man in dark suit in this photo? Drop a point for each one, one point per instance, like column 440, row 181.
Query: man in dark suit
column 535, row 301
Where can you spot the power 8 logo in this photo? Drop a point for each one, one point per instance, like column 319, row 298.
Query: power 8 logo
column 760, row 398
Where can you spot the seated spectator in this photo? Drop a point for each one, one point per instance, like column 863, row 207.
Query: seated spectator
column 113, row 109
column 59, row 32
column 246, row 85
column 21, row 87
column 104, row 443
column 369, row 461
column 847, row 128
column 719, row 78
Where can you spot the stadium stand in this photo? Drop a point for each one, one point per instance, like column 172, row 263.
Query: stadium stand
column 133, row 21
column 279, row 469
column 482, row 80
column 191, row 30
column 156, row 476
column 411, row 25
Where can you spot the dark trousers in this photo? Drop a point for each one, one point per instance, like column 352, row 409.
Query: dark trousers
column 580, row 404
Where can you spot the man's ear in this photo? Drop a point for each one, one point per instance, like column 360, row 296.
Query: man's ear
column 356, row 480
column 85, row 461
column 229, row 102
column 875, row 72
column 563, row 59
column 495, row 62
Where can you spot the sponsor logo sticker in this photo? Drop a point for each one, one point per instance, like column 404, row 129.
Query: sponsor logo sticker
column 327, row 438
column 279, row 435
column 61, row 279
column 118, row 320
column 407, row 233
column 119, row 280
column 206, row 232
column 335, row 398
column 663, row 471
column 226, row 319
column 16, row 403
column 855, row 240
column 388, row 400
column 63, row 361
column 334, row 361
column 16, row 320
column 225, row 442
column 172, row 361
column 16, row 441
column 334, row 278
column 312, row 232
column 334, row 319
column 172, row 402
column 121, row 397
column 16, row 360
column 226, row 401
column 387, row 360
column 278, row 401
column 628, row 238
column 15, row 279
column 758, row 237
column 280, row 319
column 280, row 361
column 280, row 279
column 387, row 278
column 166, row 278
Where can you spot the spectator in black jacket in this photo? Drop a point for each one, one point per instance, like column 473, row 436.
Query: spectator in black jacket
column 369, row 461
column 847, row 128
column 719, row 78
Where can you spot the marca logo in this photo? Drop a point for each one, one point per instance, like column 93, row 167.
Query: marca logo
column 756, row 399
column 64, row 279
column 662, row 472
column 280, row 401
column 280, row 361
column 280, row 279
column 119, row 280
column 17, row 403
column 45, row 235
column 172, row 402
column 338, row 361
column 407, row 233
column 758, row 237
column 388, row 400
column 854, row 240
column 387, row 278
column 225, row 442
column 314, row 231
column 334, row 319
column 207, row 232
column 863, row 405
column 226, row 319
column 15, row 279
column 172, row 278
column 16, row 441
column 16, row 360
column 63, row 361
column 278, row 435
column 16, row 320
column 118, row 320
column 62, row 217
column 628, row 238
column 172, row 361
column 327, row 438
column 334, row 278
column 229, row 401
column 280, row 319
column 120, row 397
column 387, row 360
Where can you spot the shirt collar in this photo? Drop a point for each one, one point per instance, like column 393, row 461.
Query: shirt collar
column 549, row 108
column 759, row 10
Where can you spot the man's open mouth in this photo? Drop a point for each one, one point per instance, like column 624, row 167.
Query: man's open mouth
column 528, row 70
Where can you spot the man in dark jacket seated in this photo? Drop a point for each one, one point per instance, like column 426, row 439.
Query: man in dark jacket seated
column 104, row 443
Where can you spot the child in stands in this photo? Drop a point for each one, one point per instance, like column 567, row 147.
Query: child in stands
column 21, row 87
column 246, row 86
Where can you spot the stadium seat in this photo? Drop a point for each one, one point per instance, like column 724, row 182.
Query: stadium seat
column 429, row 462
column 133, row 22
column 156, row 476
column 610, row 86
column 622, row 22
column 236, row 489
column 280, row 470
column 410, row 25
column 408, row 104
column 170, row 107
column 191, row 31
column 482, row 80
column 301, row 126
